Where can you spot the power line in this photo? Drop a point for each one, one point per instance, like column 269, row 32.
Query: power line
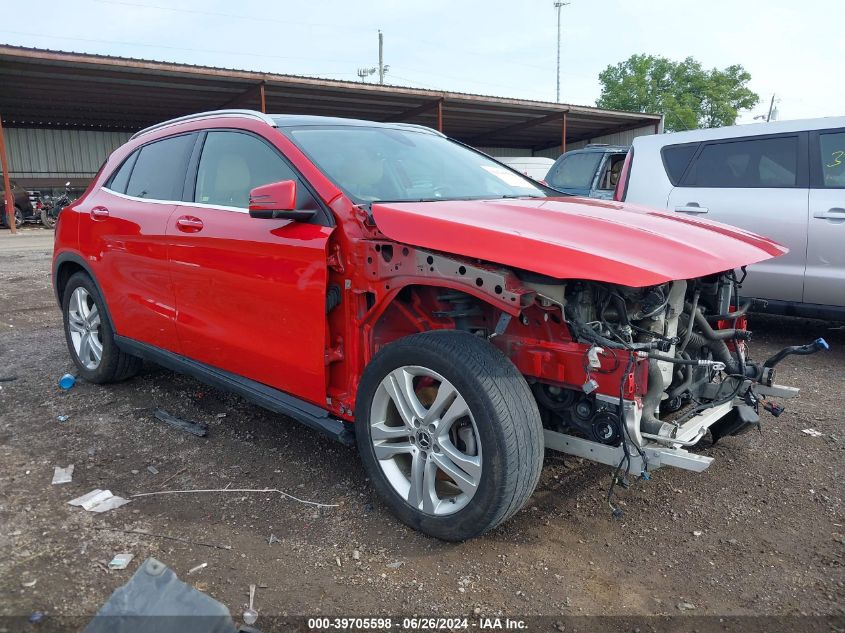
column 170, row 47
column 263, row 18
column 220, row 14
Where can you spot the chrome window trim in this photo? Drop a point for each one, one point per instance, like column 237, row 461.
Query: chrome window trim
column 180, row 203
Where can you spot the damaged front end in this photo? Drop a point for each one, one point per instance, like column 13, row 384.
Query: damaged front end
column 683, row 350
column 626, row 376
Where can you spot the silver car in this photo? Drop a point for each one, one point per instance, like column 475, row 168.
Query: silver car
column 784, row 180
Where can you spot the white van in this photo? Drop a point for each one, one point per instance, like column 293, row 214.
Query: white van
column 784, row 180
column 535, row 167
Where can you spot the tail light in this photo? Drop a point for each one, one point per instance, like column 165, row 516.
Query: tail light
column 622, row 184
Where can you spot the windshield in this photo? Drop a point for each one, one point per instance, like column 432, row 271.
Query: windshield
column 375, row 164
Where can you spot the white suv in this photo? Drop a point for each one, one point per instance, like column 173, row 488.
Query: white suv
column 785, row 180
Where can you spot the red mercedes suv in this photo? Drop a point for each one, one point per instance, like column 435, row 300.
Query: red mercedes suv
column 391, row 287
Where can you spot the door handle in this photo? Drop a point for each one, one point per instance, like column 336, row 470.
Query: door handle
column 836, row 213
column 189, row 224
column 691, row 207
column 98, row 214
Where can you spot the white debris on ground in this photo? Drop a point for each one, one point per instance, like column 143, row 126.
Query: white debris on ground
column 121, row 561
column 62, row 475
column 99, row 501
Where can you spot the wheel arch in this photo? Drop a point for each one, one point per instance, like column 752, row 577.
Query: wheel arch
column 65, row 266
column 416, row 305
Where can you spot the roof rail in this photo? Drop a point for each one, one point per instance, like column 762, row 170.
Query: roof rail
column 213, row 114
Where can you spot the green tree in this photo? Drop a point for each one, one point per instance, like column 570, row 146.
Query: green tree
column 689, row 96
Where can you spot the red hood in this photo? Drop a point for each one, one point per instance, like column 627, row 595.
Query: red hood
column 576, row 238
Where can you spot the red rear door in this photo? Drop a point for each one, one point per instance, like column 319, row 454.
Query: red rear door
column 250, row 293
column 123, row 234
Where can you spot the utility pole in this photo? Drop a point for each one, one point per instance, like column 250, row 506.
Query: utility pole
column 380, row 57
column 7, row 186
column 771, row 107
column 558, row 5
column 363, row 73
column 382, row 68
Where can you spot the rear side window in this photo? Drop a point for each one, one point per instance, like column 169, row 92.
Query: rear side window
column 120, row 178
column 832, row 149
column 159, row 171
column 575, row 171
column 748, row 163
column 676, row 159
column 233, row 163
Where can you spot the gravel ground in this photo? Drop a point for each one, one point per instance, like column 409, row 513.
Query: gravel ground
column 761, row 532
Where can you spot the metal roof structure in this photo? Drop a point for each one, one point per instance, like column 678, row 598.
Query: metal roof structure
column 63, row 90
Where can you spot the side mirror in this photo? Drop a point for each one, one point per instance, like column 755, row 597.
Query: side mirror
column 276, row 200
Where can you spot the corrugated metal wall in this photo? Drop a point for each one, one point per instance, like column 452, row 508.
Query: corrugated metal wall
column 61, row 154
column 617, row 138
column 45, row 153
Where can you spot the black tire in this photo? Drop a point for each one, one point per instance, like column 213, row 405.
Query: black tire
column 18, row 217
column 505, row 415
column 47, row 219
column 114, row 365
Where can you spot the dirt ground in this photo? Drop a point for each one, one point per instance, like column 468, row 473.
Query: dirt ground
column 762, row 531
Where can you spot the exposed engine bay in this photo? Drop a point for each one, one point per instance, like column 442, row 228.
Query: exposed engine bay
column 699, row 375
column 673, row 325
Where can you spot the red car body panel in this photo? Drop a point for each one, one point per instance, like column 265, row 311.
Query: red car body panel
column 575, row 238
column 247, row 294
column 127, row 251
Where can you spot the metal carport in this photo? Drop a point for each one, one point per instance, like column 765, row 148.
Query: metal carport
column 45, row 89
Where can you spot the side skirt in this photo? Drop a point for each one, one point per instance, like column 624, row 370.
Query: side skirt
column 804, row 310
column 256, row 392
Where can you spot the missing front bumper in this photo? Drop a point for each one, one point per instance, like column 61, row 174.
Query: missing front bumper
column 664, row 451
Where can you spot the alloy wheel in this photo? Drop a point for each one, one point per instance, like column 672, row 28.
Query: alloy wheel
column 84, row 325
column 425, row 440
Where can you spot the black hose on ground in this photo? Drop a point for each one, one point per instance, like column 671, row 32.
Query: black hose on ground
column 816, row 346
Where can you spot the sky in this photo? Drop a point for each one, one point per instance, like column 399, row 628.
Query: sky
column 793, row 50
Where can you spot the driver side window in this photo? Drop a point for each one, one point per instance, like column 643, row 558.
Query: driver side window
column 234, row 163
column 610, row 171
